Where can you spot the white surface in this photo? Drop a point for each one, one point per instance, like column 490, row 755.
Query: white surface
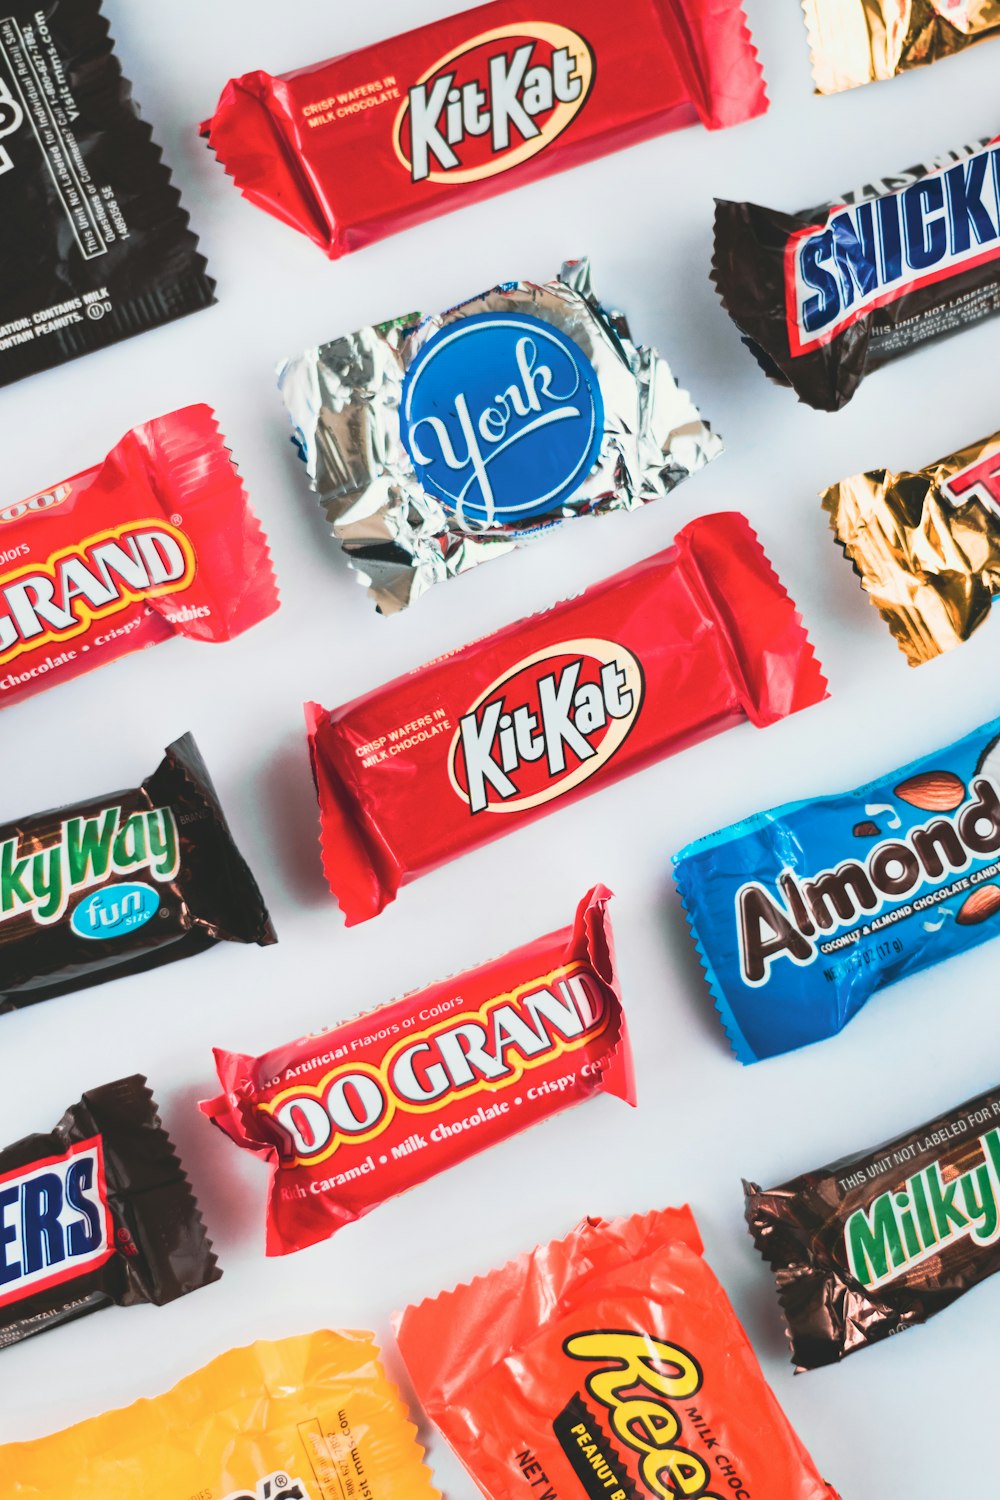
column 873, row 1424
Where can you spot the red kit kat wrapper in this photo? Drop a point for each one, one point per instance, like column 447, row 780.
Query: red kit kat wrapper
column 689, row 642
column 351, row 150
column 156, row 541
column 354, row 1115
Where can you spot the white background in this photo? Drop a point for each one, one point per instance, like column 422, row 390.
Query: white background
column 901, row 1419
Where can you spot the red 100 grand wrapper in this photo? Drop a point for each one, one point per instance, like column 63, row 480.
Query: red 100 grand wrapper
column 156, row 541
column 376, row 1105
column 351, row 150
column 678, row 647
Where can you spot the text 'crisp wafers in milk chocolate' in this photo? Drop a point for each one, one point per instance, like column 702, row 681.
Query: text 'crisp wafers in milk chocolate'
column 122, row 883
column 802, row 913
column 825, row 296
column 96, row 1212
column 880, row 1241
column 350, row 150
column 695, row 640
column 926, row 545
column 436, row 442
column 95, row 245
column 348, row 1117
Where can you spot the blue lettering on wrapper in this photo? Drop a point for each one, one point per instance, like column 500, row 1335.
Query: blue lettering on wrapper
column 502, row 416
column 115, row 910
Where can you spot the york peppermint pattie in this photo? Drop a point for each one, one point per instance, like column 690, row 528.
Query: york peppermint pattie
column 436, row 442
column 802, row 913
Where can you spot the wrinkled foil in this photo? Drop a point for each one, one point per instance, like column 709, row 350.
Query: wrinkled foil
column 867, row 41
column 930, row 563
column 344, row 400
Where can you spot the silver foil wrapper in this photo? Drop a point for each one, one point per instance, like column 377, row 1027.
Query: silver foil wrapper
column 422, row 478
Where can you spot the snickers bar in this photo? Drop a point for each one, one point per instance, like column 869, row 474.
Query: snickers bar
column 96, row 1212
column 882, row 1240
column 350, row 150
column 825, row 296
column 695, row 640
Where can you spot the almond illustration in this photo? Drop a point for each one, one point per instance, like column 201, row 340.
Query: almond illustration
column 866, row 830
column 933, row 791
column 980, row 906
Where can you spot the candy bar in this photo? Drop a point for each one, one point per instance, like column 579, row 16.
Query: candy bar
column 866, row 41
column 309, row 1418
column 607, row 1364
column 825, row 296
column 157, row 541
column 925, row 545
column 351, row 1116
column 97, row 1212
column 880, row 1241
column 350, row 150
column 96, row 246
column 804, row 912
column 437, row 442
column 122, row 883
column 692, row 641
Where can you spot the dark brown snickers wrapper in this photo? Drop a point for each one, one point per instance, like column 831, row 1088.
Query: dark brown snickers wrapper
column 97, row 1212
column 122, row 883
column 95, row 245
column 880, row 1241
column 825, row 296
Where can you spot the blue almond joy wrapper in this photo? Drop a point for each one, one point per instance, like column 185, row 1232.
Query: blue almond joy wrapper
column 800, row 914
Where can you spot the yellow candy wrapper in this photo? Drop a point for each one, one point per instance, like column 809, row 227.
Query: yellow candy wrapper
column 310, row 1418
column 865, row 41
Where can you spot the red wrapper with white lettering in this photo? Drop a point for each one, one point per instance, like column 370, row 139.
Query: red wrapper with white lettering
column 692, row 641
column 350, row 150
column 354, row 1115
column 157, row 541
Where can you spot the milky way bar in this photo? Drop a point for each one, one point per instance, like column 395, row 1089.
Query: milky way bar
column 694, row 640
column 825, row 296
column 878, row 1242
column 122, row 883
column 96, row 246
column 802, row 913
column 97, row 1211
column 866, row 41
column 926, row 545
column 358, row 147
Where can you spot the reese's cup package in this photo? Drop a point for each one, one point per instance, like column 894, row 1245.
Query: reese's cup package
column 95, row 246
column 308, row 1418
column 605, row 1366
column 93, row 1213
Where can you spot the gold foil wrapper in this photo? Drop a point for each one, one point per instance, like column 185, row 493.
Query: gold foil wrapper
column 925, row 545
column 865, row 41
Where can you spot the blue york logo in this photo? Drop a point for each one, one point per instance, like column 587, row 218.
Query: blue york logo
column 502, row 417
column 115, row 910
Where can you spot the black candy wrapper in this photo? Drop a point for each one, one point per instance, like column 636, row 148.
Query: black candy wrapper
column 94, row 245
column 122, row 883
column 94, row 1213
